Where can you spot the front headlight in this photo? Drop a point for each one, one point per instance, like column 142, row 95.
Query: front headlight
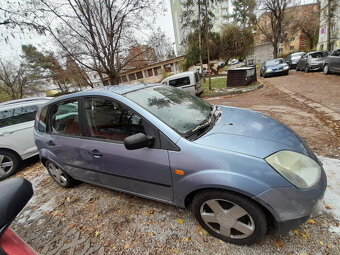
column 268, row 70
column 302, row 171
column 286, row 67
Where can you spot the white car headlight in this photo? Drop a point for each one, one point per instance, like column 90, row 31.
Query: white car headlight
column 302, row 171
column 268, row 70
column 286, row 67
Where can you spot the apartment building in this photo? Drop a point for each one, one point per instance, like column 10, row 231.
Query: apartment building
column 220, row 9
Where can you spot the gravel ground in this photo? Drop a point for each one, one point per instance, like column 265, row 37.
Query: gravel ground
column 116, row 223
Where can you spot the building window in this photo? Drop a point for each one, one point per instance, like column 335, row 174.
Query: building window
column 321, row 47
column 139, row 75
column 132, row 77
column 291, row 48
column 292, row 39
column 124, row 78
column 280, row 50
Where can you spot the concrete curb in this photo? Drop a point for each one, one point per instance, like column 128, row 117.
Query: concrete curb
column 232, row 91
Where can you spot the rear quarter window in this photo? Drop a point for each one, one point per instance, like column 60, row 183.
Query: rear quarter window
column 180, row 82
column 17, row 115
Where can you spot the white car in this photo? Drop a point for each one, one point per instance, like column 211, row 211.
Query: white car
column 16, row 133
column 188, row 81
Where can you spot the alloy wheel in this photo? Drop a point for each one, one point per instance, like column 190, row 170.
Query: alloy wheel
column 6, row 165
column 227, row 218
column 325, row 69
column 57, row 173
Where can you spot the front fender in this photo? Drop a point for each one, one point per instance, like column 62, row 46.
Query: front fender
column 216, row 179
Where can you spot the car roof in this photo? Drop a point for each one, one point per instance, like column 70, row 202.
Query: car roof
column 180, row 74
column 116, row 89
column 24, row 102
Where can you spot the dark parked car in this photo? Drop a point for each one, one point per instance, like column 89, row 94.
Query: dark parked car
column 332, row 63
column 274, row 67
column 240, row 172
column 293, row 59
column 312, row 61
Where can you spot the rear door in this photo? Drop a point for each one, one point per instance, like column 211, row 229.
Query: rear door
column 184, row 83
column 65, row 142
column 16, row 129
column 335, row 61
column 144, row 171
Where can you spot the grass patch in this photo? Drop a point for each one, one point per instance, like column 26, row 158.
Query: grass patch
column 4, row 97
column 216, row 83
column 226, row 91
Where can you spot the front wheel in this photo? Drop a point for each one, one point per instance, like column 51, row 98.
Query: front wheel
column 230, row 217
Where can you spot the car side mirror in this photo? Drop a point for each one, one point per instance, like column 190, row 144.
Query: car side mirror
column 138, row 141
column 14, row 195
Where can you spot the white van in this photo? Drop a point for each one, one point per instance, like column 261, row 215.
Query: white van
column 188, row 81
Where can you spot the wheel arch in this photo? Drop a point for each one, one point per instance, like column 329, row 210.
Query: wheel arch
column 12, row 151
column 272, row 223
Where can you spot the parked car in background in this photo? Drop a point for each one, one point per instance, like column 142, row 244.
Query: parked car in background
column 16, row 133
column 332, row 63
column 241, row 172
column 312, row 61
column 293, row 59
column 274, row 67
column 188, row 81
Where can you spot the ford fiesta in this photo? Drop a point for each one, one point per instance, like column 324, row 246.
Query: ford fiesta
column 240, row 172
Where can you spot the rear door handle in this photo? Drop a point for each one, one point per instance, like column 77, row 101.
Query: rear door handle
column 50, row 143
column 96, row 153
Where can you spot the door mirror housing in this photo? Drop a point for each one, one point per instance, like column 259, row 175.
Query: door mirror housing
column 138, row 141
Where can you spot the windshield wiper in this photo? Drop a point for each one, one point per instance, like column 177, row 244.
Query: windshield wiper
column 208, row 122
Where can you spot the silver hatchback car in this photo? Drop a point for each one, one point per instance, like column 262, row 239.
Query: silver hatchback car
column 239, row 171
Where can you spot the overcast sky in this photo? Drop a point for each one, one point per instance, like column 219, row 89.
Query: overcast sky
column 12, row 50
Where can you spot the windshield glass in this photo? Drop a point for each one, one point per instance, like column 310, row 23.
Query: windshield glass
column 297, row 55
column 274, row 62
column 178, row 109
column 318, row 55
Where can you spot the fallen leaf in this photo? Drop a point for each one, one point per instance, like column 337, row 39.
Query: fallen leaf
column 118, row 211
column 47, row 212
column 296, row 232
column 304, row 236
column 127, row 246
column 118, row 197
column 260, row 243
column 152, row 211
column 279, row 243
column 312, row 221
column 151, row 234
column 96, row 216
column 303, row 253
column 329, row 246
column 180, row 221
column 97, row 233
column 127, row 232
column 55, row 213
column 68, row 199
column 176, row 251
column 221, row 242
column 321, row 242
column 106, row 196
column 333, row 207
column 186, row 239
column 71, row 226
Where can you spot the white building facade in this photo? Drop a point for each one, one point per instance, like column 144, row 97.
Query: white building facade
column 222, row 10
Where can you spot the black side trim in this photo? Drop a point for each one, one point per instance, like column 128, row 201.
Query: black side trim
column 284, row 226
column 121, row 176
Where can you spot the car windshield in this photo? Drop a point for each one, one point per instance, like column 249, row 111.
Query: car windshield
column 180, row 110
column 274, row 62
column 297, row 55
column 318, row 54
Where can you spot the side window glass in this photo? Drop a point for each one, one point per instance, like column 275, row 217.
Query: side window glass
column 65, row 119
column 17, row 115
column 180, row 82
column 109, row 120
column 42, row 120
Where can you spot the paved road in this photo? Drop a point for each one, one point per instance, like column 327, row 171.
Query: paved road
column 315, row 86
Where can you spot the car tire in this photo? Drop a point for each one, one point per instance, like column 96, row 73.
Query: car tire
column 297, row 68
column 287, row 73
column 59, row 176
column 9, row 163
column 307, row 68
column 243, row 221
column 326, row 69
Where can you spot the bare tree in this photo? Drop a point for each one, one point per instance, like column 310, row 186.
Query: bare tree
column 16, row 81
column 273, row 21
column 98, row 34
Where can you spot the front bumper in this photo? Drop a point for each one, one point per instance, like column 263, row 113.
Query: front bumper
column 291, row 206
column 278, row 72
column 316, row 67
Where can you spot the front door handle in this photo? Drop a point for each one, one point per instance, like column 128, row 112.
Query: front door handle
column 96, row 153
column 50, row 143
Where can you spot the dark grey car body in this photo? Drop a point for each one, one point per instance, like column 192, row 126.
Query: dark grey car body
column 230, row 157
column 312, row 61
column 332, row 62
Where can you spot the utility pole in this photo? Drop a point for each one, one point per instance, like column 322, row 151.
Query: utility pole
column 200, row 37
column 207, row 38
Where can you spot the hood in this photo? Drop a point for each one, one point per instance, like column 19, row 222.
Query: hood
column 318, row 59
column 277, row 66
column 252, row 133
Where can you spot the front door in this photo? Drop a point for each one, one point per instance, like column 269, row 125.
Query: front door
column 143, row 171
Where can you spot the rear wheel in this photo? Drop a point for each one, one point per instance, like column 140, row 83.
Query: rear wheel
column 307, row 68
column 326, row 69
column 59, row 175
column 297, row 68
column 9, row 163
column 230, row 217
